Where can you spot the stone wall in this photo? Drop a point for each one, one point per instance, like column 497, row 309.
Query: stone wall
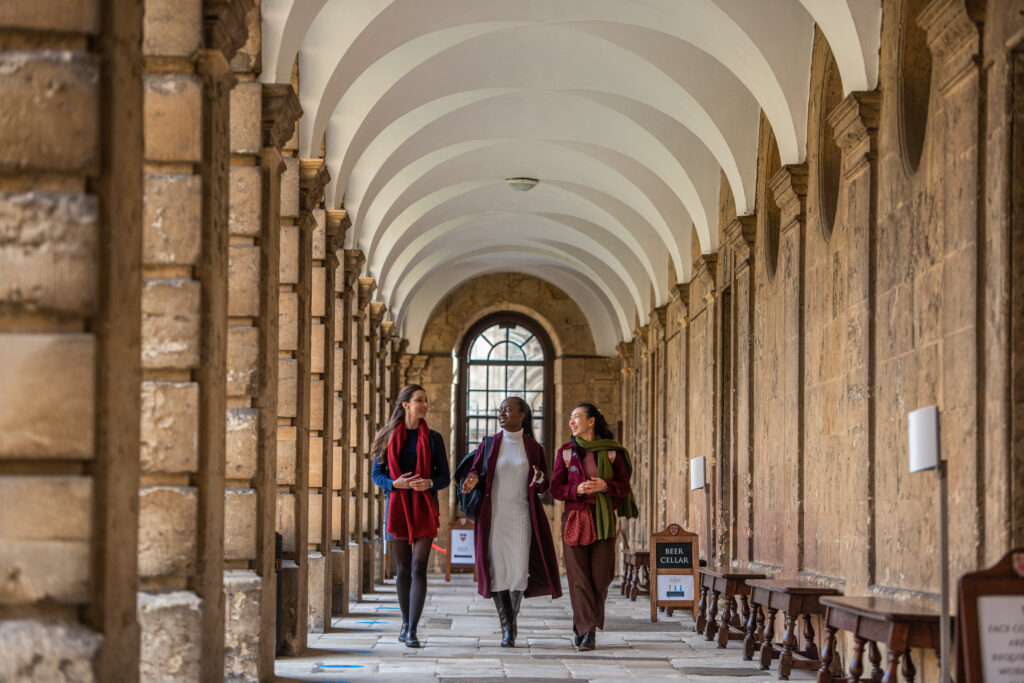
column 892, row 286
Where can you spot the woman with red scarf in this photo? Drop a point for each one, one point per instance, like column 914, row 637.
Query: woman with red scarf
column 411, row 465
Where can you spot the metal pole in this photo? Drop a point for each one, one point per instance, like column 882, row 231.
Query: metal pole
column 944, row 618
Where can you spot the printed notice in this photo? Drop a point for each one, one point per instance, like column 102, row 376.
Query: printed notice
column 462, row 547
column 1001, row 633
column 672, row 587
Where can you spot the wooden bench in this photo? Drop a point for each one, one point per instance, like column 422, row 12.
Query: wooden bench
column 793, row 597
column 898, row 625
column 636, row 573
column 727, row 585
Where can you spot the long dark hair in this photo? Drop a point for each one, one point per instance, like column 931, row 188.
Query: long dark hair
column 601, row 428
column 380, row 440
column 527, row 418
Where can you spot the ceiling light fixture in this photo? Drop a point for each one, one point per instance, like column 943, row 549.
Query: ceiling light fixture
column 521, row 184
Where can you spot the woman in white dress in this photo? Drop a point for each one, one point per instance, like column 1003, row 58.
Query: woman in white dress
column 515, row 555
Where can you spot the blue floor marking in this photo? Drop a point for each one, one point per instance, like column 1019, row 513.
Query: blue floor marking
column 340, row 666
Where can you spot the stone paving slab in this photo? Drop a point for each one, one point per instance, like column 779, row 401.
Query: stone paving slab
column 461, row 638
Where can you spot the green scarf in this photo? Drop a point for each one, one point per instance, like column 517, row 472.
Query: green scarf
column 603, row 509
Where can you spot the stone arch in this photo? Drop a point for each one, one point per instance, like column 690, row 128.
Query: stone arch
column 769, row 215
column 824, row 155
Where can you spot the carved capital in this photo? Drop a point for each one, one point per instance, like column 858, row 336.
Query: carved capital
column 281, row 110
column 855, row 125
column 625, row 350
column 739, row 238
column 398, row 345
column 377, row 309
column 680, row 293
column 953, row 38
column 338, row 224
column 354, row 260
column 225, row 26
column 789, row 187
column 215, row 70
column 313, row 178
column 659, row 318
column 706, row 266
column 366, row 287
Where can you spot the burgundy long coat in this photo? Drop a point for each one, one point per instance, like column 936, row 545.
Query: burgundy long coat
column 543, row 567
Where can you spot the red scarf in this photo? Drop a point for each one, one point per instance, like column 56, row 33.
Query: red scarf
column 411, row 514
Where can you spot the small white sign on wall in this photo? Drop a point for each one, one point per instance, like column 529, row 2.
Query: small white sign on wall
column 697, row 473
column 923, row 433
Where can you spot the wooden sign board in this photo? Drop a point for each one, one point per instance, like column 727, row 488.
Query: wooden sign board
column 990, row 626
column 461, row 551
column 674, row 562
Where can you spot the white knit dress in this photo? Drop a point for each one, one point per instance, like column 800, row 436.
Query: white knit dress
column 508, row 546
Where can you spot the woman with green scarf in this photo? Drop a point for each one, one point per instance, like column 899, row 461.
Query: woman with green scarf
column 591, row 475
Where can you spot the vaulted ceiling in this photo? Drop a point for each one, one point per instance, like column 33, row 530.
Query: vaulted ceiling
column 629, row 112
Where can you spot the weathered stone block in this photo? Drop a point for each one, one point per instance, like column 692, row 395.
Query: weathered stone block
column 63, row 16
column 316, row 404
column 339, row 580
column 243, row 360
column 243, row 281
column 315, row 523
column 286, row 437
column 242, row 595
column 339, row 316
column 247, row 118
column 317, row 340
column 293, row 624
column 171, row 219
column 50, row 110
column 289, row 264
column 288, row 321
column 316, row 461
column 336, row 518
column 170, row 323
column 244, row 200
column 317, row 567
column 47, row 650
column 171, row 636
column 167, row 529
column 339, row 369
column 172, row 123
column 287, row 386
column 339, row 453
column 339, row 407
column 248, row 57
column 48, row 248
column 169, row 427
column 286, row 520
column 320, row 234
column 241, row 449
column 34, row 571
column 318, row 301
column 40, row 372
column 240, row 524
column 290, row 188
column 172, row 28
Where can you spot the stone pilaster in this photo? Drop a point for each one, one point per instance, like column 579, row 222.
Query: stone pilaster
column 70, row 289
column 351, row 492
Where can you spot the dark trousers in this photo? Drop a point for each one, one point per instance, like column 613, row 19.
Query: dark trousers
column 589, row 570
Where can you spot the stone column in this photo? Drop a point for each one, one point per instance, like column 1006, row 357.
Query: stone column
column 280, row 112
column 375, row 421
column 70, row 290
column 855, row 123
column 739, row 254
column 702, row 397
column 291, row 491
column 364, row 363
column 337, row 540
column 656, row 412
column 789, row 187
column 352, row 468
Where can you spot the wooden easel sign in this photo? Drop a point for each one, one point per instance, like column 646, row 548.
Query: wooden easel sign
column 461, row 551
column 674, row 554
column 990, row 628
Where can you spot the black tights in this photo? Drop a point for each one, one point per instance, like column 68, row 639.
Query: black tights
column 412, row 577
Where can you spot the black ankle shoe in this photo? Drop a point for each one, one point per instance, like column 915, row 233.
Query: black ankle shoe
column 577, row 638
column 411, row 640
column 588, row 642
column 404, row 632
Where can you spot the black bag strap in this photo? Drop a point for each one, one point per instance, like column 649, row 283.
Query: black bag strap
column 482, row 455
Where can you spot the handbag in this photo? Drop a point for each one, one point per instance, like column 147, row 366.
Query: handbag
column 579, row 528
column 469, row 503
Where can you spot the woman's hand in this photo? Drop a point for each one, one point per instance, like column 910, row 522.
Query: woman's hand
column 470, row 482
column 411, row 480
column 420, row 484
column 593, row 485
column 538, row 476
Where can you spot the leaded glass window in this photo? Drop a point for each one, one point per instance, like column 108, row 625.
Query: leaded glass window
column 505, row 359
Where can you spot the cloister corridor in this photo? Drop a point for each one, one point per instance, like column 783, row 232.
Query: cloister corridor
column 461, row 636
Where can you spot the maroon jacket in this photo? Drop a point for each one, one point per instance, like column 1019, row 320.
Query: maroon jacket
column 567, row 477
column 543, row 568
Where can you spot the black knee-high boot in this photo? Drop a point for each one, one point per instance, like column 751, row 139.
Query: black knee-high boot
column 515, row 598
column 503, row 603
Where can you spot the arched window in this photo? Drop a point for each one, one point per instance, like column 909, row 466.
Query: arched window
column 505, row 354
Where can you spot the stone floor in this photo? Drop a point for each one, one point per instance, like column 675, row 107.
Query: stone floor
column 461, row 639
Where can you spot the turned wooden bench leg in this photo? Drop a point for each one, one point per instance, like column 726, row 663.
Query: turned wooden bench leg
column 827, row 654
column 723, row 629
column 810, row 649
column 767, row 635
column 875, row 657
column 712, row 626
column 857, row 660
column 750, row 642
column 788, row 646
column 702, row 610
column 908, row 667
